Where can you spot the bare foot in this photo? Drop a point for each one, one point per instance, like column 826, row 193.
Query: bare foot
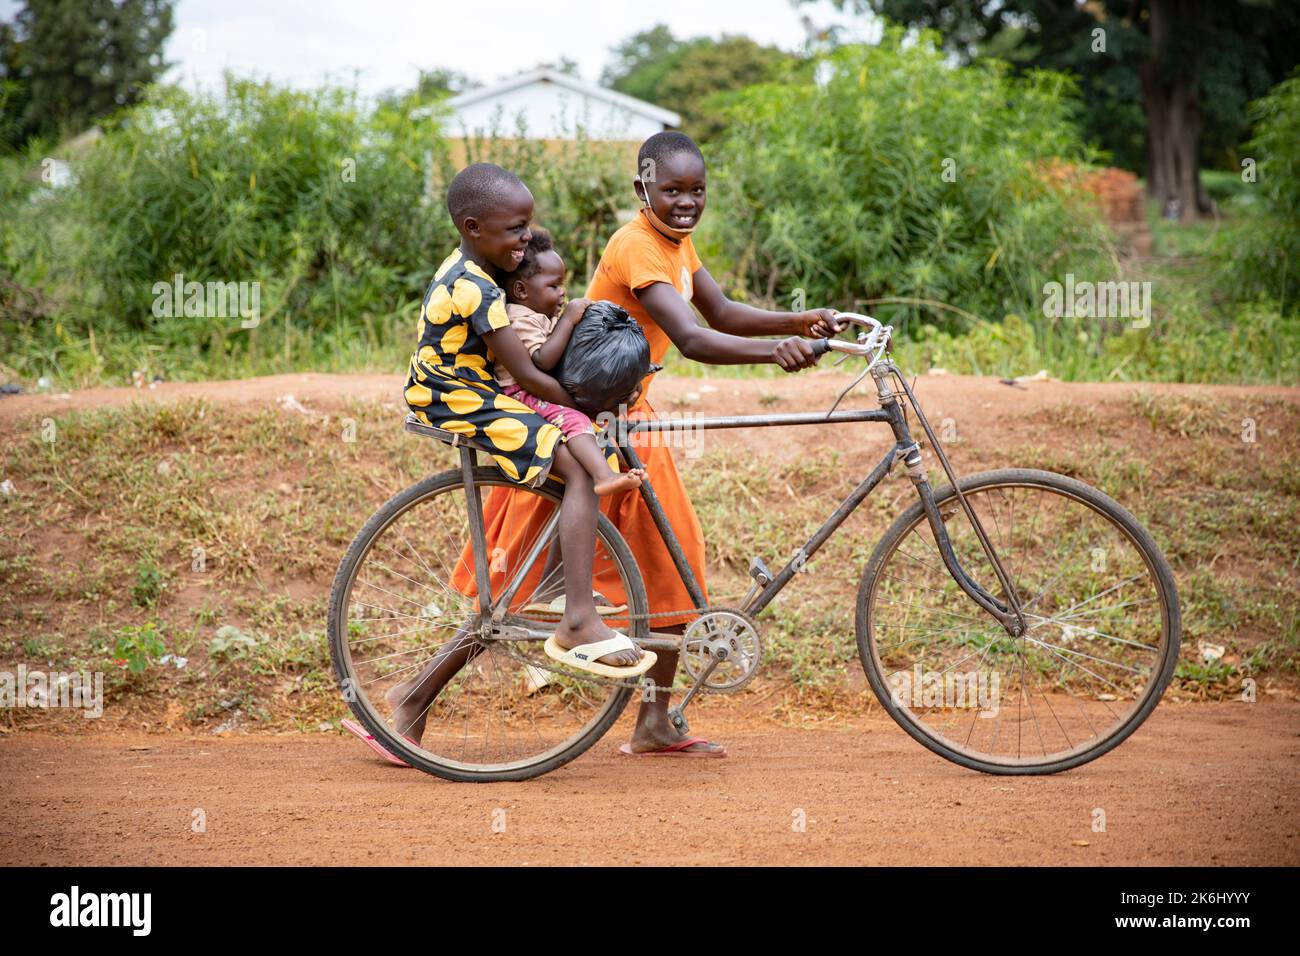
column 654, row 731
column 573, row 634
column 623, row 481
column 406, row 716
column 645, row 741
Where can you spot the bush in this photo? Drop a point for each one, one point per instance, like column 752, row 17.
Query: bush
column 335, row 210
column 1186, row 343
column 839, row 189
column 1261, row 249
column 323, row 206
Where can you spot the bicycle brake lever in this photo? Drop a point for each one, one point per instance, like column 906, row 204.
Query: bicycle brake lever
column 850, row 387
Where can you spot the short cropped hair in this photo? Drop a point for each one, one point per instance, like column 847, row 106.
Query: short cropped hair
column 541, row 242
column 476, row 188
column 662, row 146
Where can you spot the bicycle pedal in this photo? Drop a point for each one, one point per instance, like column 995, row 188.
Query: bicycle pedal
column 762, row 576
column 678, row 720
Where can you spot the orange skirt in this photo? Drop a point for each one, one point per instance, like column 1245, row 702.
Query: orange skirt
column 514, row 519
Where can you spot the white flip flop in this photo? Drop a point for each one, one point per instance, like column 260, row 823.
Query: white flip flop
column 556, row 608
column 585, row 657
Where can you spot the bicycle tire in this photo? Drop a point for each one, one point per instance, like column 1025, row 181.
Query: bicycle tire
column 340, row 592
column 1161, row 574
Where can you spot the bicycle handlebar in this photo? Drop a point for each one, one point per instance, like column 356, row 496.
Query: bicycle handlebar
column 872, row 343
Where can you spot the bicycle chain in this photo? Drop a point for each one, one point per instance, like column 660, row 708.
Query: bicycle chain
column 589, row 678
column 608, row 681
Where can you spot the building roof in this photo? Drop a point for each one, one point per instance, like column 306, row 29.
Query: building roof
column 547, row 75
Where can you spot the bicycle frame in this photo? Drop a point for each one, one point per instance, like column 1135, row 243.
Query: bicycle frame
column 768, row 585
column 905, row 449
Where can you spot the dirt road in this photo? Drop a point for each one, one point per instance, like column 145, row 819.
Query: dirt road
column 1198, row 784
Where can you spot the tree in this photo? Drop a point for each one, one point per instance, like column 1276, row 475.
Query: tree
column 439, row 82
column 640, row 62
column 1192, row 64
column 72, row 62
column 692, row 77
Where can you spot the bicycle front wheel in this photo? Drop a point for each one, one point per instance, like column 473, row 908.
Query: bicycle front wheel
column 413, row 663
column 1102, row 620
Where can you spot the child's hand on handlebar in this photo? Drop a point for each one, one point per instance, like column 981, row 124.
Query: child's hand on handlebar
column 794, row 353
column 818, row 323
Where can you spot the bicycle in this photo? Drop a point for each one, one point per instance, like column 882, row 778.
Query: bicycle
column 1067, row 649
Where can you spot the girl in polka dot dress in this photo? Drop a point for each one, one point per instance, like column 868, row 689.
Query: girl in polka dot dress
column 465, row 334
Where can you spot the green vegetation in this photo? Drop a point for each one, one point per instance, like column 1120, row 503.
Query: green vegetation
column 66, row 63
column 864, row 187
column 694, row 78
column 1165, row 83
column 336, row 212
column 138, row 646
column 1262, row 247
column 880, row 178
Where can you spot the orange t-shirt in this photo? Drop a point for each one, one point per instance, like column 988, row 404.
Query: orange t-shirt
column 639, row 255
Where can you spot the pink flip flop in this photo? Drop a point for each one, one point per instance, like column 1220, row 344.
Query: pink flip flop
column 352, row 727
column 676, row 750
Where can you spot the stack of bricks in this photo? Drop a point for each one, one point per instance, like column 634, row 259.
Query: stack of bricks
column 1120, row 197
column 1121, row 203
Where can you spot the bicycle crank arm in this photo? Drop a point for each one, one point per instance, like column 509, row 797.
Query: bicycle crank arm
column 677, row 715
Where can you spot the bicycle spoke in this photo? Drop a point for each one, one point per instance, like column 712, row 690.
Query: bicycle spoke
column 409, row 616
column 1091, row 587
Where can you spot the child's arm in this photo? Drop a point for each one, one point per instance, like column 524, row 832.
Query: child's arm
column 701, row 344
column 736, row 318
column 510, row 352
column 552, row 350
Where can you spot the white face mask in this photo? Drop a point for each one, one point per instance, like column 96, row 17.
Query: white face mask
column 659, row 223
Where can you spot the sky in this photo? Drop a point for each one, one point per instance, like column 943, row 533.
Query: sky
column 380, row 45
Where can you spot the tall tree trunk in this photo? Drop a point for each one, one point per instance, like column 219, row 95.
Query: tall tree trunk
column 1169, row 97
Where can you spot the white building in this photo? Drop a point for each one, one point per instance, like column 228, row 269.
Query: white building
column 553, row 105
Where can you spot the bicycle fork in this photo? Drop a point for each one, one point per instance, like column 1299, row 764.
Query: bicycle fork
column 1010, row 615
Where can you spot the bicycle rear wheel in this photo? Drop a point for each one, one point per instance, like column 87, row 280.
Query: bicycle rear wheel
column 405, row 598
column 1100, row 647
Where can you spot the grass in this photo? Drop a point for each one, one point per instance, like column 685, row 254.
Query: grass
column 189, row 518
column 1226, row 513
column 224, row 556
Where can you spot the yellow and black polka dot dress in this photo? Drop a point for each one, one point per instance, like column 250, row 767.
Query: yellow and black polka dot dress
column 450, row 384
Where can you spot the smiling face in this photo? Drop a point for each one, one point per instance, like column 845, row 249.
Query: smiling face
column 543, row 291
column 500, row 236
column 676, row 194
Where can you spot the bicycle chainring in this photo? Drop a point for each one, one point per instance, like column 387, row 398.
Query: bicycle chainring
column 728, row 632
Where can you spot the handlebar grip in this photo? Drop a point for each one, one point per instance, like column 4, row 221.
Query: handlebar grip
column 821, row 346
